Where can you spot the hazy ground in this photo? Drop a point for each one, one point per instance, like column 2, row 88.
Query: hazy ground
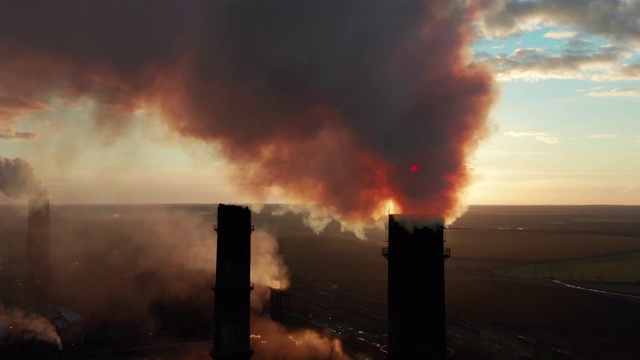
column 114, row 262
column 499, row 274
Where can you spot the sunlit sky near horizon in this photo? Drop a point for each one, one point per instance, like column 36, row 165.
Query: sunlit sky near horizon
column 565, row 130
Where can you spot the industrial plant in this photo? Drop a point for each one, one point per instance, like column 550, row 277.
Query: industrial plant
column 416, row 308
column 100, row 298
column 416, row 300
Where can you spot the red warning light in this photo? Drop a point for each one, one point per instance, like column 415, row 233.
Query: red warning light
column 414, row 168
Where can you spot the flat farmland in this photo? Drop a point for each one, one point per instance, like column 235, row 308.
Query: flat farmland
column 621, row 267
column 496, row 280
column 519, row 246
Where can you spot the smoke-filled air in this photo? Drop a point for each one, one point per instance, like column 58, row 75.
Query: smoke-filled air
column 129, row 261
column 272, row 341
column 354, row 106
column 16, row 321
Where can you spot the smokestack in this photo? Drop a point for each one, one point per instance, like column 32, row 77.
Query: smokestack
column 233, row 287
column 37, row 269
column 416, row 255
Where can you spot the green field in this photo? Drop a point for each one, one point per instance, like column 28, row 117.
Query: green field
column 621, row 267
column 519, row 247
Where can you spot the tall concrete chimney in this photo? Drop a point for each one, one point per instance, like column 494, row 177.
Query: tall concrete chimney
column 416, row 255
column 233, row 287
column 37, row 265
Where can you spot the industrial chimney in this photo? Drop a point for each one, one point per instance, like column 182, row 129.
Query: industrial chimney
column 233, row 287
column 37, row 266
column 416, row 255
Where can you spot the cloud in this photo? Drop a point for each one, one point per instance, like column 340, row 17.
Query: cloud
column 629, row 72
column 7, row 132
column 13, row 107
column 17, row 135
column 603, row 136
column 612, row 19
column 69, row 104
column 524, row 133
column 18, row 103
column 625, row 92
column 534, row 64
column 575, row 44
column 560, row 34
column 540, row 136
column 547, row 139
column 350, row 96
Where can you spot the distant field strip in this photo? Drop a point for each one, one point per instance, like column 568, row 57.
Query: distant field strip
column 596, row 291
column 624, row 266
column 523, row 247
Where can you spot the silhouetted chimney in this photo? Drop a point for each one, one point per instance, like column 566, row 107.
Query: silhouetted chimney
column 233, row 287
column 416, row 255
column 37, row 269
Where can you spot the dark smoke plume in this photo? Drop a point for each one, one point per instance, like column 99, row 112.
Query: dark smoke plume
column 331, row 101
column 18, row 179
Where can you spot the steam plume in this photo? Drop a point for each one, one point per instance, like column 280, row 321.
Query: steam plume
column 331, row 101
column 273, row 341
column 267, row 266
column 268, row 270
column 18, row 322
column 120, row 264
column 18, row 179
column 148, row 254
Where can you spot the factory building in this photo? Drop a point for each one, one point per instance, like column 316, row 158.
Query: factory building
column 279, row 304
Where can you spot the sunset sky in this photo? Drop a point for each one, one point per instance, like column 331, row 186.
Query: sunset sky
column 568, row 122
column 565, row 129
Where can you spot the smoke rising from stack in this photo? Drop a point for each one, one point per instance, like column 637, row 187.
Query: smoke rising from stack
column 267, row 266
column 267, row 269
column 19, row 322
column 18, row 179
column 331, row 102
